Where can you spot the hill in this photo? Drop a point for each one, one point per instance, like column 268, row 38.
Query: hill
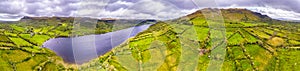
column 234, row 15
column 21, row 41
column 252, row 44
column 246, row 41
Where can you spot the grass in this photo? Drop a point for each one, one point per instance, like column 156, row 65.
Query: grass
column 5, row 44
column 15, row 55
column 258, row 33
column 272, row 32
column 37, row 30
column 36, row 39
column 191, row 34
column 157, row 56
column 261, row 57
column 248, row 37
column 31, row 63
column 203, row 62
column 46, row 29
column 125, row 60
column 28, row 56
column 294, row 42
column 293, row 36
column 4, row 38
column 27, row 66
column 4, row 65
column 237, row 53
column 20, row 42
column 10, row 34
column 199, row 22
column 61, row 33
column 178, row 28
column 289, row 60
column 233, row 25
column 33, row 49
column 228, row 34
column 17, row 28
column 117, row 65
column 236, row 39
column 244, row 65
column 202, row 33
column 248, row 24
column 40, row 58
column 228, row 66
column 50, row 67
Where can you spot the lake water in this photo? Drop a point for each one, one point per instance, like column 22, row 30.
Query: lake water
column 84, row 48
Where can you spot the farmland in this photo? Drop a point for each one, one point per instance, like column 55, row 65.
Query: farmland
column 21, row 43
column 187, row 45
column 22, row 51
column 165, row 45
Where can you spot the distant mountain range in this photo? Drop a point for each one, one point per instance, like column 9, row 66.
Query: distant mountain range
column 233, row 14
column 229, row 15
column 238, row 15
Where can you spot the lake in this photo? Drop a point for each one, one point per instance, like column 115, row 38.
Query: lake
column 85, row 48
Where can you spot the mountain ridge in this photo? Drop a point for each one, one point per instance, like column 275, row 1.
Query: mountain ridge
column 232, row 14
column 229, row 15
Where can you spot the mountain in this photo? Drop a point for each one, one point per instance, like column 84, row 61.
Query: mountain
column 72, row 19
column 233, row 15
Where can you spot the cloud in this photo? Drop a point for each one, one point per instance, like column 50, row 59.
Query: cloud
column 142, row 9
column 118, row 5
column 139, row 9
column 49, row 8
column 9, row 17
column 156, row 9
column 11, row 6
column 276, row 13
column 21, row 8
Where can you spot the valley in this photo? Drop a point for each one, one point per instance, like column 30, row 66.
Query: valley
column 251, row 42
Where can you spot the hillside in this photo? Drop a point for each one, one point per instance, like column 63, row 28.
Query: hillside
column 21, row 41
column 248, row 41
column 188, row 46
column 234, row 15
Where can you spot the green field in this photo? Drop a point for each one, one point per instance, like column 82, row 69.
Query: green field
column 193, row 44
column 248, row 48
column 22, row 51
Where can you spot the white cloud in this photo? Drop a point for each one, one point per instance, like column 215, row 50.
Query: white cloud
column 9, row 17
column 124, row 3
column 12, row 6
column 276, row 13
column 144, row 9
column 138, row 9
column 157, row 9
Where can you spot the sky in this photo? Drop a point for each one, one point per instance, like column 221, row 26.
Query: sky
column 13, row 10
